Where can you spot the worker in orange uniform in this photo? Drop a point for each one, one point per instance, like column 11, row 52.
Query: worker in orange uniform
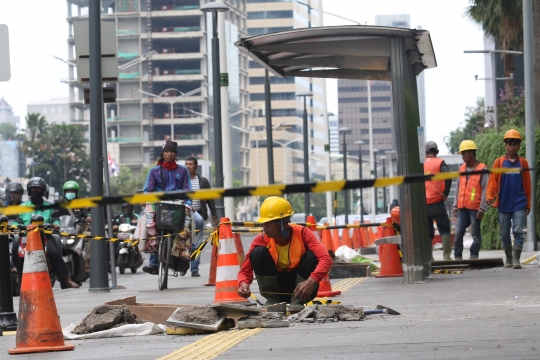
column 511, row 193
column 436, row 194
column 287, row 259
column 470, row 200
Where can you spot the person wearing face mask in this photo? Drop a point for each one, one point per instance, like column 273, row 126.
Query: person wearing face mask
column 288, row 260
column 37, row 188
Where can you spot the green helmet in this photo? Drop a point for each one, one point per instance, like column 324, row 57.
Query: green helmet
column 71, row 185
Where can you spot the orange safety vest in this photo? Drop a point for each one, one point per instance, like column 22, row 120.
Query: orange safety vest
column 470, row 190
column 296, row 250
column 434, row 189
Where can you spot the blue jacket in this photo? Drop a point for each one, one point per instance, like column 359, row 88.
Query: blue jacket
column 177, row 179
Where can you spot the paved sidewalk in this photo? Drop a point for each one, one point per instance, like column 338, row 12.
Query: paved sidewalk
column 471, row 315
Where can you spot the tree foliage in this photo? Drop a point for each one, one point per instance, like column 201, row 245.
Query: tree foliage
column 61, row 156
column 8, row 131
column 474, row 123
column 127, row 183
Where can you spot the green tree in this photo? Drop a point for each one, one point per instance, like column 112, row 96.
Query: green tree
column 8, row 131
column 36, row 128
column 126, row 183
column 62, row 157
column 474, row 123
column 503, row 21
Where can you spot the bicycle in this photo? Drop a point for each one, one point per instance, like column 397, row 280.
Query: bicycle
column 171, row 218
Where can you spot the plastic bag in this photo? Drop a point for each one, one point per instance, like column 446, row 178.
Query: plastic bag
column 140, row 231
column 349, row 255
column 147, row 328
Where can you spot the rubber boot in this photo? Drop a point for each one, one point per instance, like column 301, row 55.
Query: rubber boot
column 296, row 304
column 516, row 254
column 508, row 252
column 268, row 286
column 447, row 246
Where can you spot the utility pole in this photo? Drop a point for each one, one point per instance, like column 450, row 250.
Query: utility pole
column 530, row 121
column 99, row 281
column 269, row 139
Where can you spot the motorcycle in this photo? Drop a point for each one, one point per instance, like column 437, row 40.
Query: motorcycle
column 22, row 251
column 127, row 254
column 15, row 284
column 73, row 248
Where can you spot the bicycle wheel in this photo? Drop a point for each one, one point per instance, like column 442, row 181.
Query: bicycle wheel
column 164, row 253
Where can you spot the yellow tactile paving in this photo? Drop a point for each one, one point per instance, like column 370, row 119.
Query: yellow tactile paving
column 211, row 346
column 347, row 284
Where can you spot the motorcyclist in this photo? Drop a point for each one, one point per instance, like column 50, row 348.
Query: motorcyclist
column 14, row 194
column 127, row 217
column 37, row 188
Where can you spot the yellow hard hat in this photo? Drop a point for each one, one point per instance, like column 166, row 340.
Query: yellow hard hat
column 512, row 134
column 274, row 208
column 467, row 145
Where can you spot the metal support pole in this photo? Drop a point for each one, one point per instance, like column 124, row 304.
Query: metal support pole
column 528, row 53
column 269, row 139
column 306, row 157
column 217, row 113
column 361, row 192
column 112, row 248
column 375, row 189
column 415, row 242
column 346, row 192
column 371, row 157
column 385, row 205
column 99, row 280
column 8, row 318
column 494, row 79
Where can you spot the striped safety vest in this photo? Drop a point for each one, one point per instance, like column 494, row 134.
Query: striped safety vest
column 434, row 189
column 470, row 190
column 296, row 250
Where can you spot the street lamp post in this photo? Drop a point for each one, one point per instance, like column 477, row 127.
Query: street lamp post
column 328, row 170
column 375, row 190
column 360, row 143
column 494, row 77
column 344, row 131
column 383, row 158
column 306, row 150
column 216, row 7
column 390, row 155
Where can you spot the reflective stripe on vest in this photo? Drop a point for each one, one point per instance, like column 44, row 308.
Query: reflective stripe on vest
column 296, row 250
column 470, row 189
column 434, row 189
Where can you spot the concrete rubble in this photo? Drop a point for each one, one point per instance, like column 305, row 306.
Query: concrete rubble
column 197, row 314
column 263, row 320
column 106, row 317
column 328, row 313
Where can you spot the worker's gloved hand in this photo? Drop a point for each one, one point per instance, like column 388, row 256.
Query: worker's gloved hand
column 244, row 291
column 304, row 290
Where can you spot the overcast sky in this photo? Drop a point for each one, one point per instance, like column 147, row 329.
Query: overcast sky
column 39, row 30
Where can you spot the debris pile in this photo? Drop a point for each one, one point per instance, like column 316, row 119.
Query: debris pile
column 263, row 320
column 106, row 317
column 328, row 313
column 196, row 314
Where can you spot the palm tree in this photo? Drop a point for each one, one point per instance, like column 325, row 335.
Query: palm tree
column 36, row 127
column 503, row 21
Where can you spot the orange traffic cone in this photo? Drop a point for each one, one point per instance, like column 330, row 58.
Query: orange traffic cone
column 389, row 253
column 213, row 266
column 336, row 241
column 325, row 288
column 39, row 328
column 228, row 266
column 313, row 226
column 327, row 241
column 239, row 248
column 356, row 237
column 346, row 238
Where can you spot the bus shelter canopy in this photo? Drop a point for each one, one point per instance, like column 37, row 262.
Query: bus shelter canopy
column 342, row 52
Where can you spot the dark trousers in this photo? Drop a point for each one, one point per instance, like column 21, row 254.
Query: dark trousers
column 263, row 264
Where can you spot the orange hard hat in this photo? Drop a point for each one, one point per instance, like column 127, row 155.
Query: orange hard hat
column 394, row 214
column 512, row 134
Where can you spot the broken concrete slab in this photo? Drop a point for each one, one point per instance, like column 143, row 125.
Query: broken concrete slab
column 342, row 313
column 235, row 310
column 196, row 317
column 263, row 320
column 277, row 308
column 106, row 317
column 308, row 312
column 225, row 325
column 344, row 270
column 156, row 313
